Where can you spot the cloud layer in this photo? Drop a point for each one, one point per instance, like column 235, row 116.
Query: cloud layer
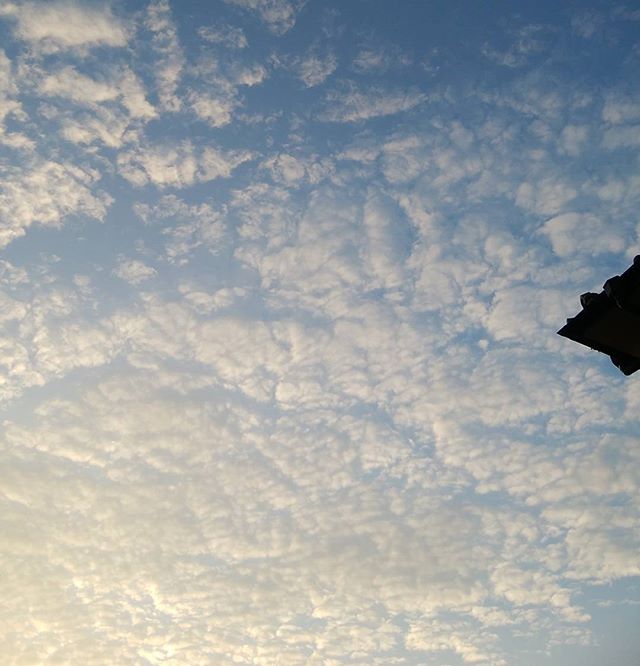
column 279, row 379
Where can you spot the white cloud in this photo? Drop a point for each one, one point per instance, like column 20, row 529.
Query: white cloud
column 216, row 97
column 621, row 109
column 291, row 170
column 383, row 251
column 279, row 15
column 621, row 137
column 171, row 59
column 46, row 193
column 108, row 109
column 231, row 37
column 286, row 168
column 314, row 69
column 343, row 538
column 16, row 140
column 519, row 313
column 330, row 421
column 250, row 76
column 134, row 95
column 353, row 104
column 178, row 165
column 205, row 302
column 186, row 226
column 403, row 159
column 380, row 59
column 64, row 24
column 8, row 89
column 588, row 23
column 215, row 110
column 526, row 41
column 266, row 214
column 433, row 635
column 535, row 97
column 573, row 139
column 134, row 271
column 545, row 197
column 104, row 126
column 305, row 257
column 70, row 84
column 572, row 233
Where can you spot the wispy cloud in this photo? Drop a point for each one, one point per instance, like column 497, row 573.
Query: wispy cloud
column 525, row 43
column 69, row 84
column 380, row 59
column 45, row 193
column 231, row 37
column 167, row 47
column 312, row 68
column 352, row 104
column 60, row 25
column 134, row 271
column 185, row 226
column 178, row 165
column 278, row 15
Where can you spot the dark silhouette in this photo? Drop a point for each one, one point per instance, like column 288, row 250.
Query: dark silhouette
column 610, row 321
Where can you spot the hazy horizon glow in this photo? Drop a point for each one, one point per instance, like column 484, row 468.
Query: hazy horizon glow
column 279, row 380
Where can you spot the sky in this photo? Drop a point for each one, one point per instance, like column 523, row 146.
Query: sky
column 280, row 382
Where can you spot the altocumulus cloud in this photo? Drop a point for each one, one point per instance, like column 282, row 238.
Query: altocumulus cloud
column 279, row 376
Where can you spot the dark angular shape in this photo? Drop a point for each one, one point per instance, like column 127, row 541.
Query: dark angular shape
column 610, row 321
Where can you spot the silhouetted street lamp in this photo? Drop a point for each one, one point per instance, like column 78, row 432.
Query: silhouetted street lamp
column 610, row 321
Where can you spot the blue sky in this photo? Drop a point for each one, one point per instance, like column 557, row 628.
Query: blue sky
column 279, row 380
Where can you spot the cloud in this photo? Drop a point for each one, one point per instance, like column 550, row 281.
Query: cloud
column 134, row 271
column 108, row 108
column 380, row 59
column 312, row 69
column 305, row 404
column 620, row 109
column 279, row 15
column 519, row 313
column 302, row 255
column 178, row 165
column 10, row 107
column 573, row 139
column 472, row 645
column 205, row 302
column 104, row 126
column 292, row 171
column 545, row 197
column 587, row 23
column 403, row 159
column 616, row 138
column 216, row 110
column 45, row 194
column 353, row 104
column 572, row 233
column 170, row 57
column 69, row 84
column 61, row 25
column 228, row 36
column 526, row 41
column 160, row 412
column 186, row 227
column 216, row 96
column 8, row 89
column 387, row 243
